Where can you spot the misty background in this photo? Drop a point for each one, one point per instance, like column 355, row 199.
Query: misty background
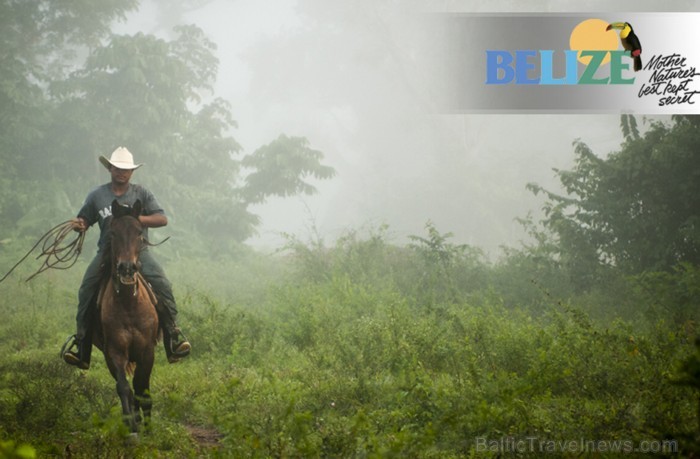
column 374, row 342
column 348, row 77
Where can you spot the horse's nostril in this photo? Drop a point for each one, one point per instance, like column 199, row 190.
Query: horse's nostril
column 126, row 268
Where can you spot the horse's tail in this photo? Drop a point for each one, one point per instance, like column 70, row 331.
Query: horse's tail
column 130, row 367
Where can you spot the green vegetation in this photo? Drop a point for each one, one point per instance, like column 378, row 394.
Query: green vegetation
column 363, row 349
column 636, row 210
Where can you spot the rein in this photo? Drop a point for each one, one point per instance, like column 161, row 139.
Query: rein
column 56, row 255
column 147, row 243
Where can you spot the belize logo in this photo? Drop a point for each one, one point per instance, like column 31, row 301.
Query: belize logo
column 646, row 63
column 594, row 44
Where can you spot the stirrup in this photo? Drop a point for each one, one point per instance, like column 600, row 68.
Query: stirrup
column 177, row 350
column 73, row 357
column 65, row 348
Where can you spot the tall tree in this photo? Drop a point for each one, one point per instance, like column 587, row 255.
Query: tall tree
column 639, row 208
column 280, row 169
column 155, row 97
column 41, row 41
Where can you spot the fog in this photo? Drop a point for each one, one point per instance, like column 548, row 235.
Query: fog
column 345, row 75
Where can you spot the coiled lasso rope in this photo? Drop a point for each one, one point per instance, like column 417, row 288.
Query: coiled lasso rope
column 56, row 253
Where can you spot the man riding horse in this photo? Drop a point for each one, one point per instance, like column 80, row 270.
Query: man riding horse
column 96, row 209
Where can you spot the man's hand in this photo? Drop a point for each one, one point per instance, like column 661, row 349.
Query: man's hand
column 79, row 225
column 153, row 220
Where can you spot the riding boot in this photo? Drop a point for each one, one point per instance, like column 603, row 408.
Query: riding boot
column 174, row 341
column 83, row 349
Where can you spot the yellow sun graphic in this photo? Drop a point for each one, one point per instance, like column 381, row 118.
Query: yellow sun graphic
column 591, row 35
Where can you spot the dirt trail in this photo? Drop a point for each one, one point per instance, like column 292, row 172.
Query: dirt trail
column 206, row 437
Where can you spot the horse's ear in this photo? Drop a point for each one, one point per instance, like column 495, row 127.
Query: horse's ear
column 136, row 209
column 117, row 209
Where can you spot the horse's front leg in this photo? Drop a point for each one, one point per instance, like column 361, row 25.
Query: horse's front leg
column 126, row 395
column 117, row 366
column 142, row 377
column 143, row 403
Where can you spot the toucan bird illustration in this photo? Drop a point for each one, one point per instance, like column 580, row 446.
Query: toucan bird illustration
column 629, row 41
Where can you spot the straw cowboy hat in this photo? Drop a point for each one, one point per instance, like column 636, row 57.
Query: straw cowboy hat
column 121, row 159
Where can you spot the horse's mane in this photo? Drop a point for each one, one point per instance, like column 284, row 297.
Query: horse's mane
column 106, row 260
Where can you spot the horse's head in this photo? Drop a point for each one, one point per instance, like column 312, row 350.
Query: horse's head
column 126, row 241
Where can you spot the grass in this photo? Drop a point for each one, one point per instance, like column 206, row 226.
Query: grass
column 352, row 361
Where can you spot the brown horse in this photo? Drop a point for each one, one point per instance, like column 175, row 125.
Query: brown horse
column 127, row 323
